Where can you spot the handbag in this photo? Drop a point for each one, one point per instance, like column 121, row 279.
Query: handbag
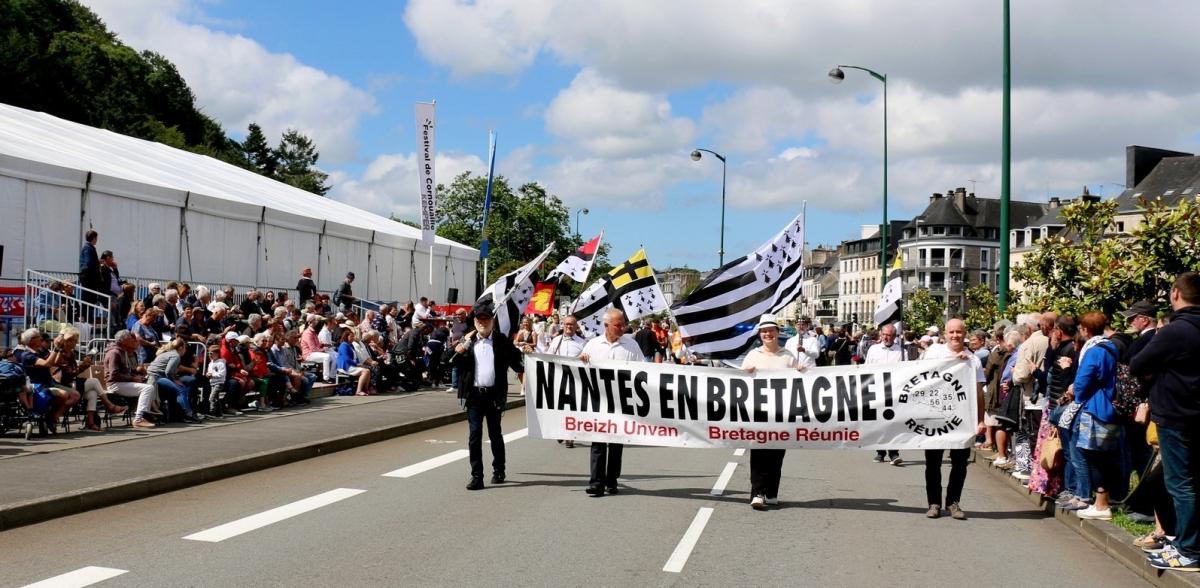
column 1067, row 418
column 1152, row 434
column 1052, row 452
column 1141, row 414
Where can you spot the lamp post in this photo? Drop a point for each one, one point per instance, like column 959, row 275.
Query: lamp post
column 836, row 75
column 696, row 155
column 584, row 211
column 1005, row 171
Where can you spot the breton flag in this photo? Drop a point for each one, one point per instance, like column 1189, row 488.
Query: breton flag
column 630, row 286
column 717, row 319
column 512, row 293
column 577, row 265
column 888, row 310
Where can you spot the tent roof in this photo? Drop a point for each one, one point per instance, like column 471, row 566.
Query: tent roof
column 120, row 161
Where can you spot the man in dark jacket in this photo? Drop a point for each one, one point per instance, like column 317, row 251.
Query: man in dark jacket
column 647, row 342
column 306, row 288
column 1172, row 359
column 483, row 358
column 89, row 267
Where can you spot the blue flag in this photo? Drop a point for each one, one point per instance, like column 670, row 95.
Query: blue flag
column 487, row 196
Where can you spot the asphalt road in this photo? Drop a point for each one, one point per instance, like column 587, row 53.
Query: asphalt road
column 844, row 521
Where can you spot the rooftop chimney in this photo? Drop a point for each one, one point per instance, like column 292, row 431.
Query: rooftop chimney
column 1140, row 161
column 960, row 198
column 1054, row 202
column 936, row 196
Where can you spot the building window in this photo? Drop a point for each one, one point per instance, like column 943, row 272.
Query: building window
column 955, row 230
column 983, row 259
column 983, row 278
column 1120, row 226
column 939, row 230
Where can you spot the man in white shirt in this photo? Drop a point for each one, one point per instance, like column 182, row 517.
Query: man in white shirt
column 888, row 350
column 613, row 344
column 567, row 344
column 766, row 465
column 421, row 312
column 483, row 358
column 955, row 347
column 804, row 339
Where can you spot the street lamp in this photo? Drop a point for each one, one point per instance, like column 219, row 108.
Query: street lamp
column 696, row 157
column 836, row 75
column 584, row 211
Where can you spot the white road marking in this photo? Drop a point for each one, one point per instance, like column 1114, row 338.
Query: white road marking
column 739, row 451
column 262, row 519
column 723, row 479
column 441, row 460
column 79, row 578
column 688, row 542
column 429, row 464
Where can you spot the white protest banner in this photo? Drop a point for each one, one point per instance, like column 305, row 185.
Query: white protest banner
column 906, row 405
column 426, row 119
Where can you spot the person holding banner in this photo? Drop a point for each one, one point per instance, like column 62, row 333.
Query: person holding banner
column 887, row 351
column 766, row 465
column 954, row 347
column 614, row 344
column 483, row 358
column 568, row 343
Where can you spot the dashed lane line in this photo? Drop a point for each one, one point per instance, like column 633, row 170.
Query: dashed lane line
column 723, row 479
column 79, row 578
column 275, row 515
column 740, row 451
column 441, row 460
column 688, row 542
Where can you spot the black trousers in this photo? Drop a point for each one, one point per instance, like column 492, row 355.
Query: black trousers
column 888, row 453
column 606, row 464
column 933, row 475
column 766, row 466
column 476, row 415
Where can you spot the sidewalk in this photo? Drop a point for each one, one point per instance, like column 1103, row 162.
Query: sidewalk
column 56, row 476
column 1105, row 536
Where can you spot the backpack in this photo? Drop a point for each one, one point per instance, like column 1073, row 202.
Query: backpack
column 337, row 297
column 11, row 370
column 1128, row 393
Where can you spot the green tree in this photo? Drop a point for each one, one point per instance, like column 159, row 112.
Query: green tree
column 983, row 310
column 1086, row 267
column 922, row 310
column 297, row 157
column 259, row 154
column 522, row 222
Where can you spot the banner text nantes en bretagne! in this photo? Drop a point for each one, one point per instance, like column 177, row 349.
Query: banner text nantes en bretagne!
column 907, row 405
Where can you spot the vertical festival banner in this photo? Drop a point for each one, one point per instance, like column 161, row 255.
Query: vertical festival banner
column 484, row 246
column 426, row 120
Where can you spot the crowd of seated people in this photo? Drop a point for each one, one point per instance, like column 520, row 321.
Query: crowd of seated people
column 185, row 353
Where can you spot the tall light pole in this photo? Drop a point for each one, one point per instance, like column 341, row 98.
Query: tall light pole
column 696, row 157
column 584, row 211
column 836, row 75
column 1005, row 170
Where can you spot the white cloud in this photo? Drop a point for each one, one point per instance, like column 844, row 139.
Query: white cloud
column 942, row 44
column 239, row 81
column 613, row 122
column 389, row 183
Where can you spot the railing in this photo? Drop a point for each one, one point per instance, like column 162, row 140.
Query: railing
column 142, row 285
column 49, row 307
column 951, row 287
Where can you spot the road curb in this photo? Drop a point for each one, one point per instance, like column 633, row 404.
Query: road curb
column 1111, row 539
column 78, row 501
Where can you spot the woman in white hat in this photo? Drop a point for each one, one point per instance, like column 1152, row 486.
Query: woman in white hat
column 766, row 465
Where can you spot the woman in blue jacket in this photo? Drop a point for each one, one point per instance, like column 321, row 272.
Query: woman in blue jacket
column 348, row 363
column 1098, row 432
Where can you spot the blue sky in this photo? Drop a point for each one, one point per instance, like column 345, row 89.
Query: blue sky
column 602, row 103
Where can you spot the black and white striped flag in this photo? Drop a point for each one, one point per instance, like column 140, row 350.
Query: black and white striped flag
column 512, row 292
column 717, row 319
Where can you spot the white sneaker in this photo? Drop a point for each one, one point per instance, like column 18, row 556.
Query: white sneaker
column 772, row 502
column 1000, row 462
column 1092, row 512
column 1022, row 476
column 758, row 502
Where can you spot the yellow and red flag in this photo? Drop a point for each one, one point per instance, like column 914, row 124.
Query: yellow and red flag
column 542, row 301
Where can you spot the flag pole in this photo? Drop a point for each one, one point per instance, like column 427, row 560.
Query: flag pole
column 484, row 246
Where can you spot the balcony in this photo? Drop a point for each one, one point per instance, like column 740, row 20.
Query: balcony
column 953, row 287
column 825, row 312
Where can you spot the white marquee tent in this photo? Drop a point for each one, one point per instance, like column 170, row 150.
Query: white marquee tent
column 169, row 213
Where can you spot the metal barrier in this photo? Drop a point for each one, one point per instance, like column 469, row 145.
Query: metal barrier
column 142, row 285
column 51, row 304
